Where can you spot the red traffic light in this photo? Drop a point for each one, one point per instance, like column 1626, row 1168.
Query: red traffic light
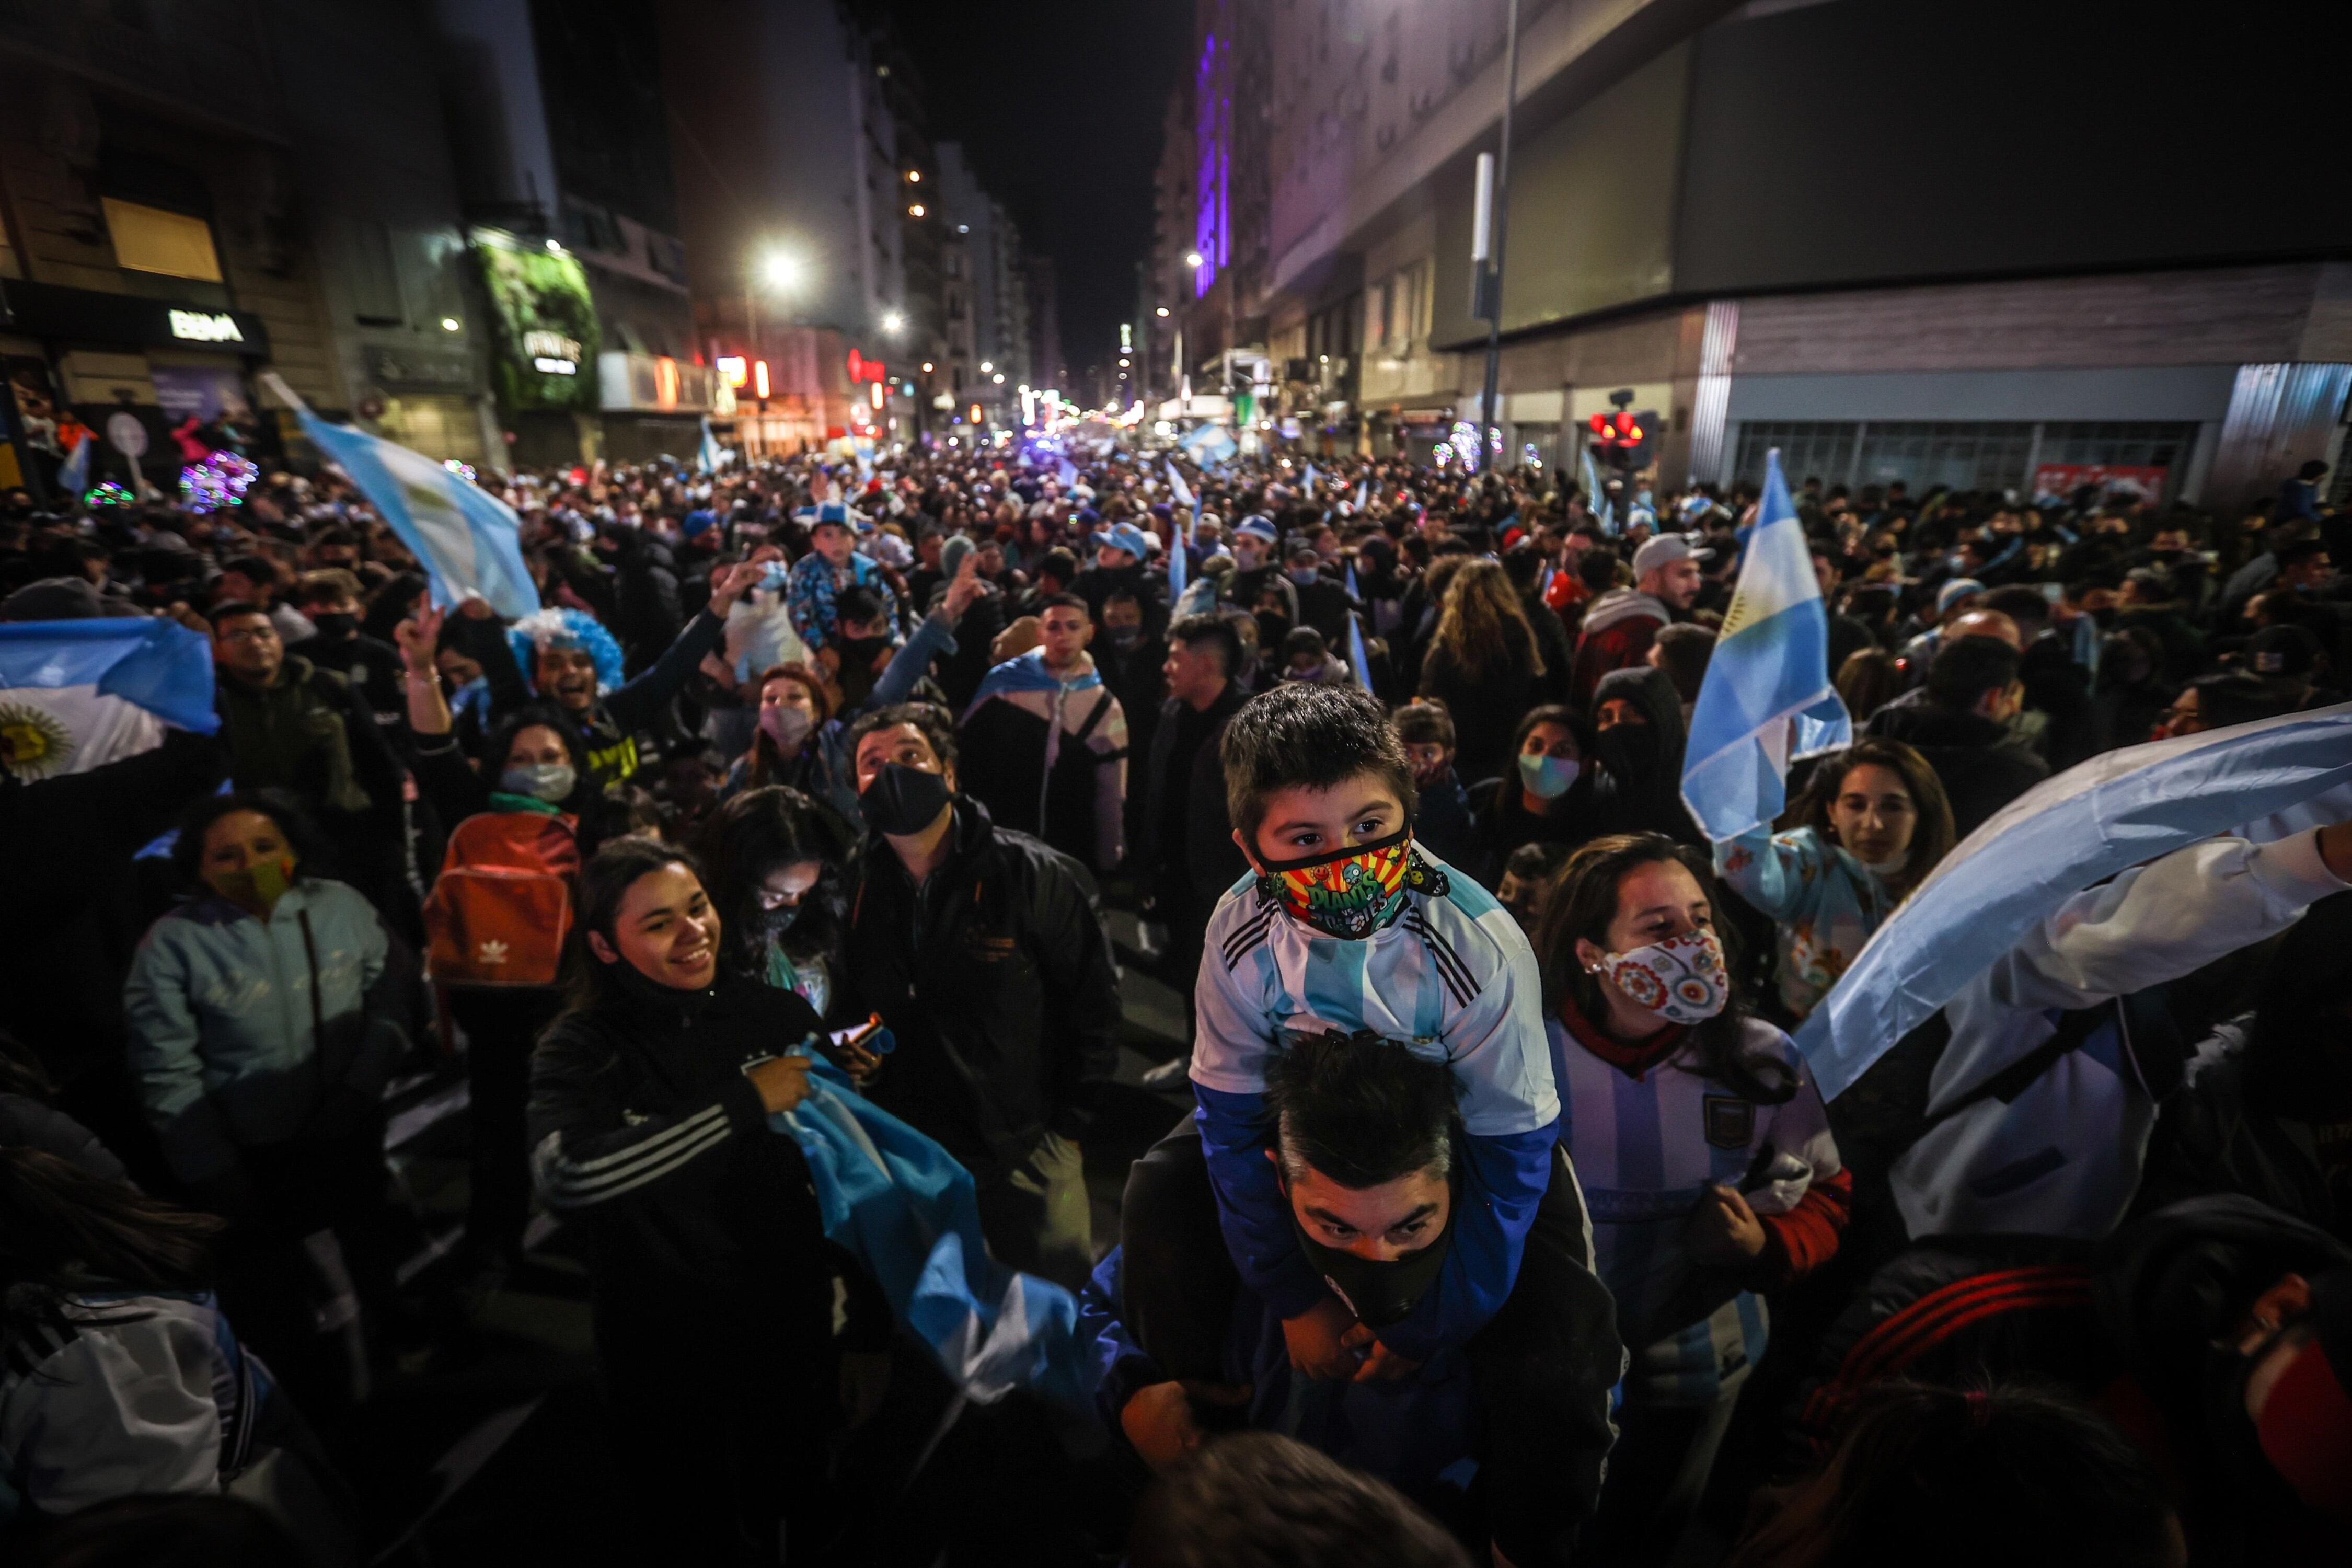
column 1599, row 424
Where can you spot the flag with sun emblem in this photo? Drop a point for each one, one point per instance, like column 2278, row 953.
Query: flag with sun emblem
column 75, row 695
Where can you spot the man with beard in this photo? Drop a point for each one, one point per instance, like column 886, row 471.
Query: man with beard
column 1621, row 622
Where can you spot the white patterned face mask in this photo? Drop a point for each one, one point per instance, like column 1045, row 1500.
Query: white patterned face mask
column 1681, row 980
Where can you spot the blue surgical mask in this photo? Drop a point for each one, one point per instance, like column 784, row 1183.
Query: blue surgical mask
column 1547, row 777
column 1303, row 575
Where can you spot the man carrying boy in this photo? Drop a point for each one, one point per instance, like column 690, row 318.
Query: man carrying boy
column 1344, row 927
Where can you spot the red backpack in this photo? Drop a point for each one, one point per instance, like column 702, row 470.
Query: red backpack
column 500, row 909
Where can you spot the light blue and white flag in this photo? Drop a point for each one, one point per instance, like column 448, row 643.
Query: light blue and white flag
column 1069, row 476
column 1357, row 658
column 1182, row 491
column 708, row 455
column 1766, row 697
column 1309, row 481
column 76, row 695
column 1178, row 562
column 73, row 474
column 466, row 539
column 1596, row 497
column 905, row 1208
column 2263, row 781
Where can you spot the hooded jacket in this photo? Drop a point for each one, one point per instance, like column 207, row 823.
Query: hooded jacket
column 1640, row 785
column 1618, row 629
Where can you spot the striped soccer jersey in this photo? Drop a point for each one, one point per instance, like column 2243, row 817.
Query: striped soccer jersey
column 1453, row 976
column 1645, row 1148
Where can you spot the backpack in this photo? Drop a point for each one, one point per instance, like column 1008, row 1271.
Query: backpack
column 500, row 909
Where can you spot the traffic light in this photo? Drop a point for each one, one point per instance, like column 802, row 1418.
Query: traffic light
column 1622, row 440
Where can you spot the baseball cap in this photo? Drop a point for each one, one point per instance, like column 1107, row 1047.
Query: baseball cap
column 1953, row 592
column 1125, row 536
column 1664, row 550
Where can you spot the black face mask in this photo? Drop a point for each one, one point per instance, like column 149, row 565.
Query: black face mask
column 1378, row 1293
column 903, row 800
column 1628, row 751
column 335, row 624
column 861, row 652
column 770, row 925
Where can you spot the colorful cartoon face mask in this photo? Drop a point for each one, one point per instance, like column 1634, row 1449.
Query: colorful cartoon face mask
column 1682, row 980
column 1350, row 893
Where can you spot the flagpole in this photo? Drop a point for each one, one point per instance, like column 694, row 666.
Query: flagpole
column 1489, row 420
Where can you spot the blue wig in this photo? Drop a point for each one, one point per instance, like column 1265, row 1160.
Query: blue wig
column 565, row 629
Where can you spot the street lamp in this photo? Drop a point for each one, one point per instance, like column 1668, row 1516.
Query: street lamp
column 1162, row 311
column 927, row 367
column 916, row 210
column 894, row 323
column 1191, row 258
column 998, row 378
column 985, row 367
column 782, row 269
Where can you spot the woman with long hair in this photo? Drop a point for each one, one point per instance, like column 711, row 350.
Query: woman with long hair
column 1549, row 797
column 798, row 743
column 1704, row 1154
column 1484, row 663
column 780, row 862
column 261, row 1047
column 1871, row 824
column 714, row 1286
column 119, row 1374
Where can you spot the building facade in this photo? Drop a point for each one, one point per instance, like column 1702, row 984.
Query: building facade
column 163, row 241
column 791, row 199
column 1742, row 215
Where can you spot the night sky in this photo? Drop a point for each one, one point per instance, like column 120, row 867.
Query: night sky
column 1057, row 104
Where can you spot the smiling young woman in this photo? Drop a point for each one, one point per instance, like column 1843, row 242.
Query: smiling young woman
column 714, row 1285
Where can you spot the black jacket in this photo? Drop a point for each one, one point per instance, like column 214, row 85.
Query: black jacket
column 1982, row 767
column 646, row 1134
column 996, row 978
column 1181, row 764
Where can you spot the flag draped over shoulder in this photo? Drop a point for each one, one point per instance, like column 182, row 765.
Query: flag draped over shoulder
column 1767, row 696
column 466, row 539
column 1026, row 672
column 2263, row 781
column 905, row 1208
column 75, row 695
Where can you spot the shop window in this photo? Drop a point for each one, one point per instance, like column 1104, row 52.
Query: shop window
column 149, row 239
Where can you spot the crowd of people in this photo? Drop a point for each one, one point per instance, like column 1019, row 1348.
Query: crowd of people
column 1497, row 1218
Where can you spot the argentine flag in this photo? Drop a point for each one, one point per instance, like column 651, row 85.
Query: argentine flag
column 905, row 1209
column 1766, row 697
column 466, row 538
column 707, row 457
column 76, row 695
column 2263, row 781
